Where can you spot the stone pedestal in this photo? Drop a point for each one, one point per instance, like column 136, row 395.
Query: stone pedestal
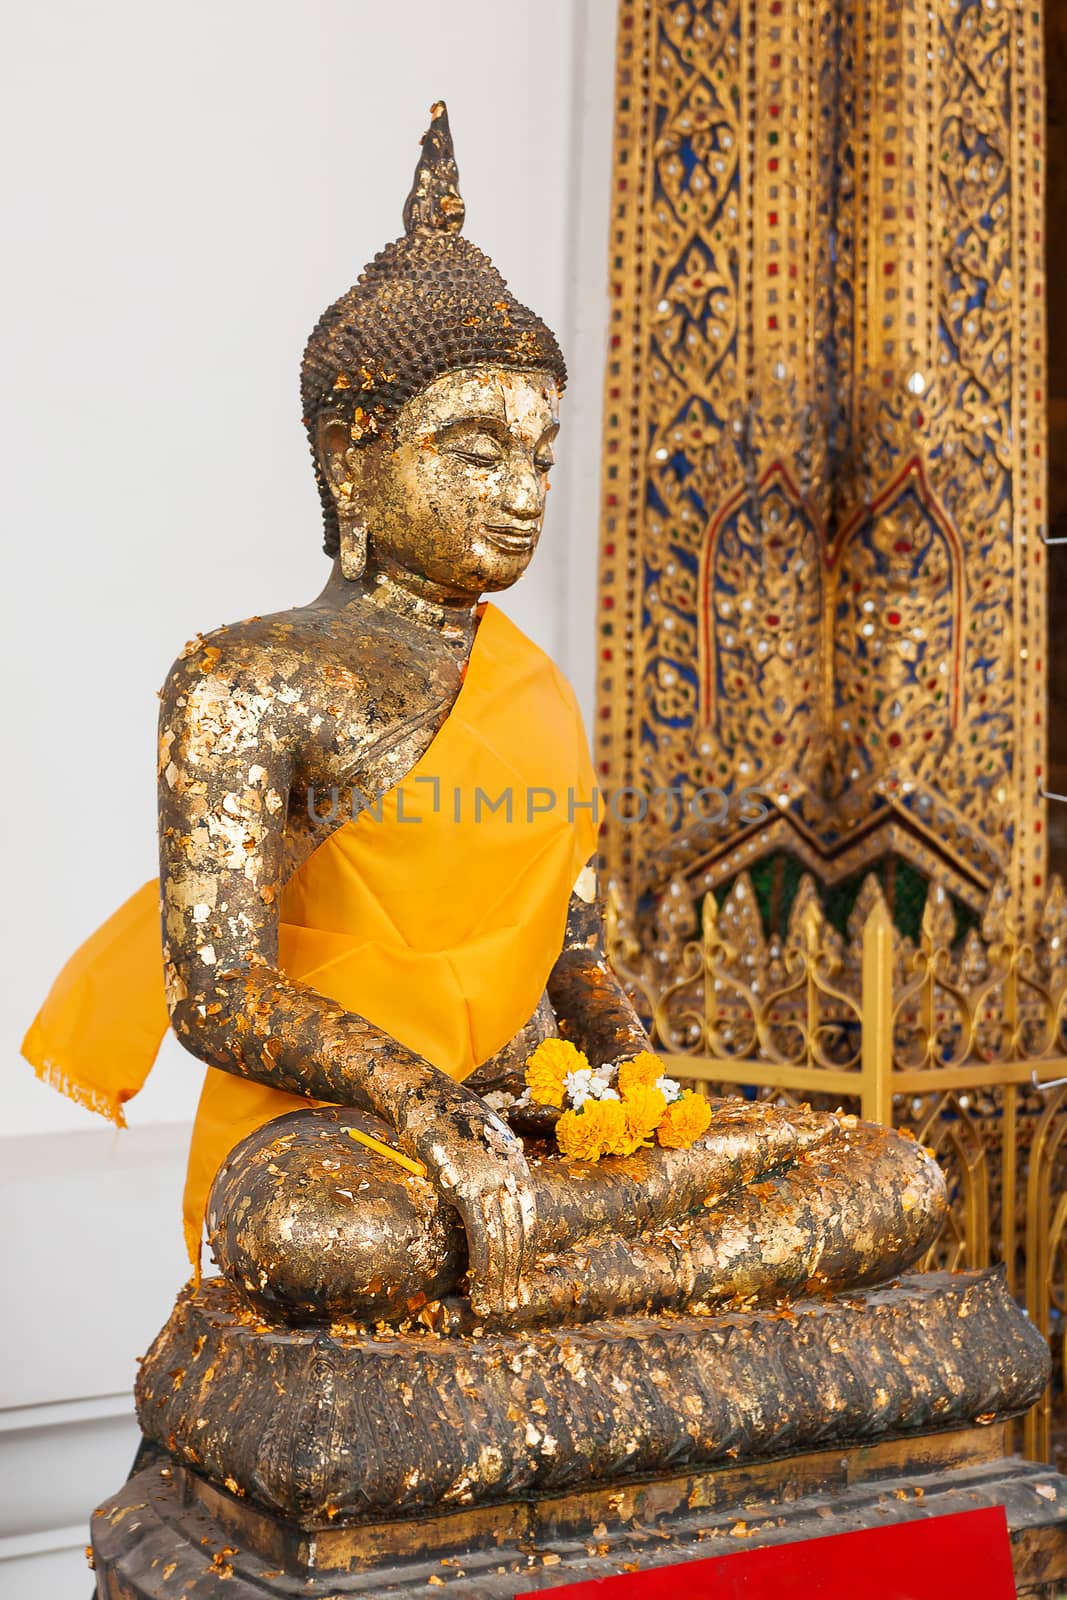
column 329, row 1462
column 170, row 1532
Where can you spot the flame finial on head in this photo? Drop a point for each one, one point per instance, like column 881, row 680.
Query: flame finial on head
column 435, row 203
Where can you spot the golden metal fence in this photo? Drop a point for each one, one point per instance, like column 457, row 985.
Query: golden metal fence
column 961, row 1040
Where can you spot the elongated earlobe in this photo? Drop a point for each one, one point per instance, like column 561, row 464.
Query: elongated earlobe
column 338, row 465
column 353, row 541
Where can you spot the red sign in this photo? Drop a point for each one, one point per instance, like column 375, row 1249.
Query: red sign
column 936, row 1558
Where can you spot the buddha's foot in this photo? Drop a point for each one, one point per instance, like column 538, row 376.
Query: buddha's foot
column 314, row 1227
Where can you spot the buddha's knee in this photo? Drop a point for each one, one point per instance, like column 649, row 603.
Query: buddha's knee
column 314, row 1226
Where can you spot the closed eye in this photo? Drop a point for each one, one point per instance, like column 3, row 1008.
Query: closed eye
column 474, row 439
column 479, row 458
column 476, row 445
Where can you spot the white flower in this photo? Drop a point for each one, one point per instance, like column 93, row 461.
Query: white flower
column 669, row 1088
column 499, row 1099
column 524, row 1099
column 600, row 1084
column 577, row 1085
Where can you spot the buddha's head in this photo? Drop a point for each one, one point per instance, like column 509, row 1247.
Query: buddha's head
column 430, row 399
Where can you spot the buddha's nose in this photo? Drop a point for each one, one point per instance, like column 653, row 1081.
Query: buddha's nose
column 522, row 495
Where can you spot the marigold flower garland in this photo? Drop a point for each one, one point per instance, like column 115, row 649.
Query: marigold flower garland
column 613, row 1111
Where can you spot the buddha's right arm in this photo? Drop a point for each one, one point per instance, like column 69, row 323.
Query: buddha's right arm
column 224, row 777
column 228, row 730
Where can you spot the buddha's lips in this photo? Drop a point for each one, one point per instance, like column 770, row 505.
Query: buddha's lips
column 511, row 538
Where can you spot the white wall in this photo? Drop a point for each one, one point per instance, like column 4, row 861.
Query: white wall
column 185, row 189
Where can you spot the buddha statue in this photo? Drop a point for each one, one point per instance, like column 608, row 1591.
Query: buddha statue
column 378, row 892
column 377, row 828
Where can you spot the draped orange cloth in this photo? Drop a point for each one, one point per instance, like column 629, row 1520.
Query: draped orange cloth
column 437, row 915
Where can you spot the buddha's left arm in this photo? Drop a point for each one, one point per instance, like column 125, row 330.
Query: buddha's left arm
column 590, row 1003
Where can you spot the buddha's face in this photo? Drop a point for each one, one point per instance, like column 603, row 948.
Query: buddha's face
column 454, row 493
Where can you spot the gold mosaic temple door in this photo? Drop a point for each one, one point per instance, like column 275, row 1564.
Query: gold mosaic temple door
column 822, row 705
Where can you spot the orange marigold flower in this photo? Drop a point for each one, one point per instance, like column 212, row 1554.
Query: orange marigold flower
column 547, row 1068
column 684, row 1121
column 598, row 1129
column 643, row 1108
column 644, row 1071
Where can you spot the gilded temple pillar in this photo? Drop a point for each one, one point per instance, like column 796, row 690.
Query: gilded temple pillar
column 822, row 562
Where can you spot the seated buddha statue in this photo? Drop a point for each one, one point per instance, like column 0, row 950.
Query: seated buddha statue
column 377, row 823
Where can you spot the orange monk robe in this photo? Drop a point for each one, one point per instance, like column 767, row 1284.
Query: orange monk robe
column 437, row 915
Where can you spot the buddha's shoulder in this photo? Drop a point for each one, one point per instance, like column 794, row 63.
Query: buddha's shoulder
column 298, row 655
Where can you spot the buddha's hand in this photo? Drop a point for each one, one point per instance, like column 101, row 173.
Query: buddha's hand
column 479, row 1166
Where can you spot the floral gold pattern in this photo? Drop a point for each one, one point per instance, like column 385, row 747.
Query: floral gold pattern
column 958, row 1041
column 822, row 572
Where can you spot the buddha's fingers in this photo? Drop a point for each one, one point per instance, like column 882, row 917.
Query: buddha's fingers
column 519, row 1212
column 527, row 1200
column 500, row 1245
column 484, row 1230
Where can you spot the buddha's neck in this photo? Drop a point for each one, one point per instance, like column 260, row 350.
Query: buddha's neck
column 406, row 595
